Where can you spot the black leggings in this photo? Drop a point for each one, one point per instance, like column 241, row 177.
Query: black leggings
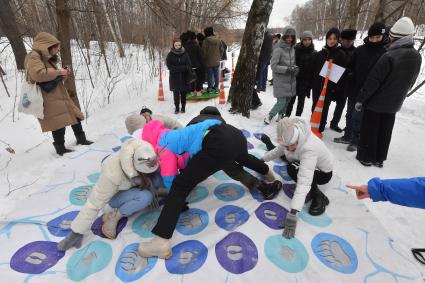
column 179, row 96
column 319, row 178
column 59, row 135
column 222, row 146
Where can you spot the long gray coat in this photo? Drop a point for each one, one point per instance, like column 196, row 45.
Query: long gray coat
column 284, row 85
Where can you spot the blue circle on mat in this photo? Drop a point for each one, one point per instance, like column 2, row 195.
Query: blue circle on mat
column 335, row 252
column 246, row 133
column 144, row 223
column 131, row 266
column 199, row 193
column 229, row 192
column 230, row 217
column 322, row 220
column 78, row 196
column 125, row 138
column 282, row 172
column 89, row 260
column 187, row 257
column 61, row 225
column 220, row 175
column 258, row 135
column 192, row 221
column 116, row 149
column 289, row 255
column 256, row 195
column 249, row 145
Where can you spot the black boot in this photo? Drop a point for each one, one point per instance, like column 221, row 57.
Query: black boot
column 183, row 109
column 81, row 139
column 270, row 191
column 60, row 149
column 318, row 203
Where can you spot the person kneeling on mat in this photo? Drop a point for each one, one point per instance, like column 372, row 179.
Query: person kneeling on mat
column 309, row 164
column 127, row 183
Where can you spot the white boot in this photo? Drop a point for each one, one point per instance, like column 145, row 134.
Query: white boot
column 158, row 246
column 270, row 178
column 110, row 222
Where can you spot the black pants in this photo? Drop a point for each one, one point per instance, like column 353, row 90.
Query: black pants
column 375, row 136
column 328, row 100
column 339, row 109
column 349, row 119
column 223, row 145
column 59, row 135
column 319, row 178
column 200, row 78
column 179, row 96
column 301, row 95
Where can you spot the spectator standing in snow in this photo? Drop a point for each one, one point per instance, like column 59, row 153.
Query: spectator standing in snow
column 197, row 60
column 178, row 62
column 59, row 109
column 284, row 73
column 264, row 61
column 304, row 54
column 362, row 61
column 213, row 52
column 347, row 46
column 310, row 165
column 384, row 91
column 333, row 91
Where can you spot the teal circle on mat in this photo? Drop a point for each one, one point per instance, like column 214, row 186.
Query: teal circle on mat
column 220, row 175
column 89, row 260
column 144, row 223
column 78, row 196
column 93, row 178
column 319, row 221
column 198, row 194
column 229, row 192
column 289, row 255
column 131, row 266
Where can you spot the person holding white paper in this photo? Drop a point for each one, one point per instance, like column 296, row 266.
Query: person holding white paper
column 334, row 89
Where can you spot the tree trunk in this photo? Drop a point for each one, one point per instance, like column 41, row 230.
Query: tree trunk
column 379, row 16
column 111, row 28
column 244, row 77
column 10, row 28
column 64, row 36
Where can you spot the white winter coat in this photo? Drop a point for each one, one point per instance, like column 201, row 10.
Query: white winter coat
column 168, row 122
column 117, row 174
column 311, row 153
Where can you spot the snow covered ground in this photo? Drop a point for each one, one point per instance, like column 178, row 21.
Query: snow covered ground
column 134, row 84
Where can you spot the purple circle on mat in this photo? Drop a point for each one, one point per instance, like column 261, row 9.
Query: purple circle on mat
column 282, row 171
column 236, row 253
column 246, row 133
column 97, row 226
column 258, row 136
column 289, row 190
column 36, row 257
column 249, row 145
column 271, row 214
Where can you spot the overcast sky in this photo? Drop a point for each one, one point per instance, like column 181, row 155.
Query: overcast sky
column 282, row 9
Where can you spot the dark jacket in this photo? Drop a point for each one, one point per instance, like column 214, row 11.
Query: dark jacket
column 363, row 60
column 266, row 48
column 195, row 54
column 213, row 51
column 208, row 113
column 391, row 78
column 179, row 65
column 334, row 91
column 303, row 59
column 348, row 80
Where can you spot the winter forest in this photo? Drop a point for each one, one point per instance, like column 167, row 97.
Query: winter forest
column 212, row 141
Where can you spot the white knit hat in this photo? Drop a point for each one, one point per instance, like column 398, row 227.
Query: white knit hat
column 145, row 159
column 134, row 122
column 402, row 27
column 287, row 131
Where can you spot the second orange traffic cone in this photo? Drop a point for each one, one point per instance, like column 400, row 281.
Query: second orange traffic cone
column 222, row 97
column 316, row 117
column 161, row 89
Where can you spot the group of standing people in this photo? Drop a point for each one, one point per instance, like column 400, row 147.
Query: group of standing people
column 376, row 80
column 192, row 60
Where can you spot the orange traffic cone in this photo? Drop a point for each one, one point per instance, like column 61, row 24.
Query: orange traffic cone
column 160, row 90
column 222, row 97
column 317, row 114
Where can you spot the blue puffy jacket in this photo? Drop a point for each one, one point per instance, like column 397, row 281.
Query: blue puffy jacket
column 406, row 192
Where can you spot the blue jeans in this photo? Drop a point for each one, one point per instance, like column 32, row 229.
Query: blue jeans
column 213, row 77
column 263, row 70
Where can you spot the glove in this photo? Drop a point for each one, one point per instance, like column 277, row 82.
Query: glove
column 292, row 70
column 358, row 106
column 72, row 240
column 289, row 225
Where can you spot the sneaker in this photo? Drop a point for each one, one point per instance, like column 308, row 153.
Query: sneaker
column 341, row 140
column 267, row 120
column 158, row 247
column 365, row 163
column 270, row 191
column 352, row 147
column 336, row 128
column 378, row 164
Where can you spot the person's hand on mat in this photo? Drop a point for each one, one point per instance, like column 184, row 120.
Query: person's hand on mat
column 72, row 240
column 362, row 191
column 289, row 225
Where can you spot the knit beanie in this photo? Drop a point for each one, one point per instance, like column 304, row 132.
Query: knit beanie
column 306, row 34
column 402, row 27
column 209, row 31
column 288, row 31
column 349, row 34
column 376, row 29
column 333, row 31
column 287, row 131
column 134, row 122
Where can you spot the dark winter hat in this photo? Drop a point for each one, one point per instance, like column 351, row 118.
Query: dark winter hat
column 144, row 110
column 200, row 37
column 184, row 37
column 333, row 31
column 306, row 34
column 210, row 110
column 377, row 28
column 349, row 34
column 192, row 35
column 209, row 31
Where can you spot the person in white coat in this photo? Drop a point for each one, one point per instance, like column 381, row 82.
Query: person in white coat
column 309, row 164
column 128, row 181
